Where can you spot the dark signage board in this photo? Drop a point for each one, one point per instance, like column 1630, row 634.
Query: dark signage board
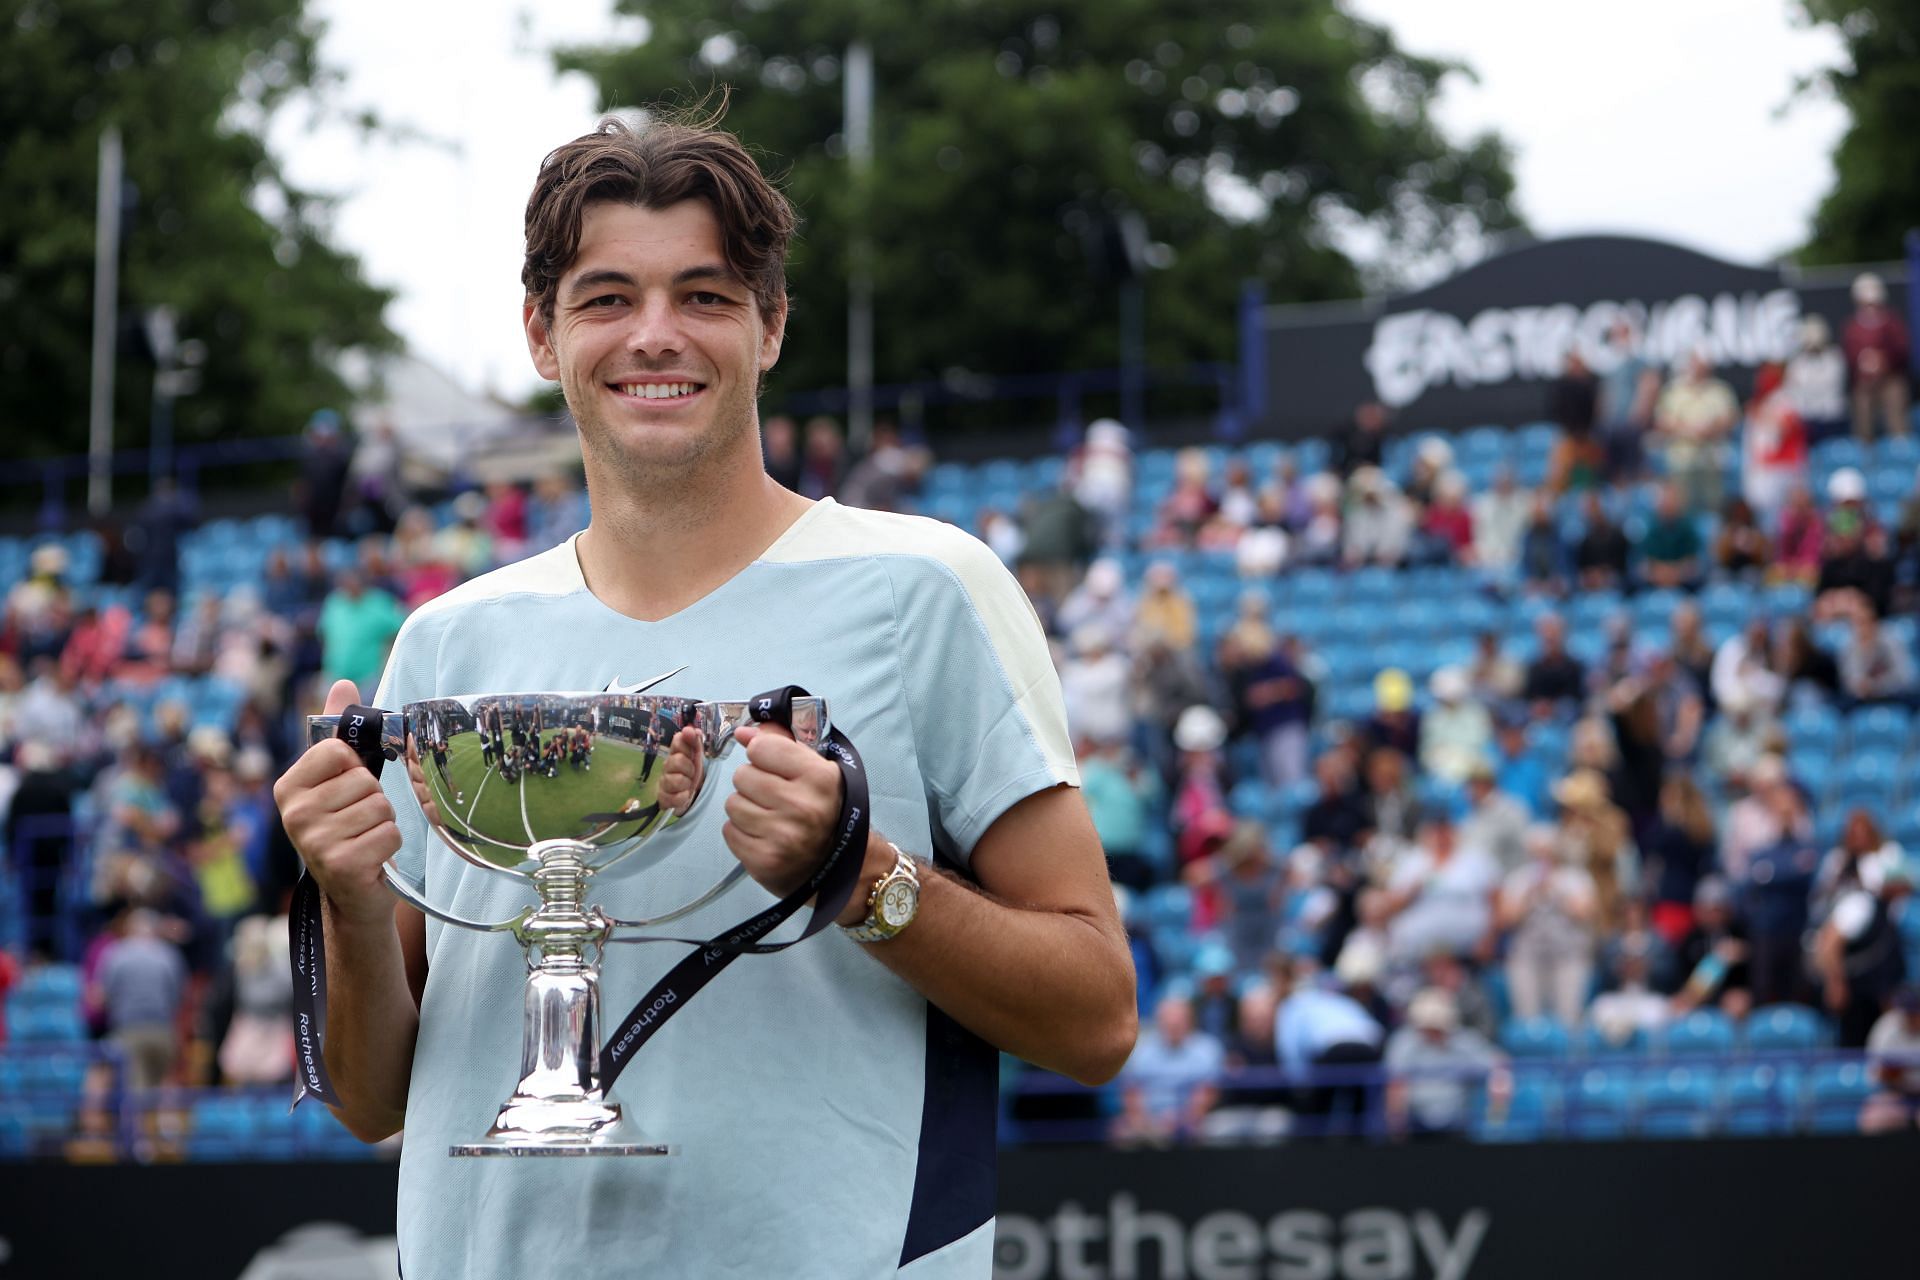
column 1572, row 1211
column 1481, row 346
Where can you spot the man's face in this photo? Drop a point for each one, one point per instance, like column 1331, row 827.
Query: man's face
column 656, row 343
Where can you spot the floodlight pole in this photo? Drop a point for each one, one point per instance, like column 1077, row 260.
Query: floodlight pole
column 857, row 107
column 106, row 323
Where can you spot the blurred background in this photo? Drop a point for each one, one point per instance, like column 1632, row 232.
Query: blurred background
column 1463, row 457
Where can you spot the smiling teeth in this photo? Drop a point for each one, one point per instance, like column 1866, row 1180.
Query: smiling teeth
column 658, row 390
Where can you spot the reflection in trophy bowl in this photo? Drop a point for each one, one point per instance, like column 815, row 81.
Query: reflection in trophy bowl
column 497, row 774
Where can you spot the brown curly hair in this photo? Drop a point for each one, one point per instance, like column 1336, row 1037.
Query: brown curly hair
column 673, row 156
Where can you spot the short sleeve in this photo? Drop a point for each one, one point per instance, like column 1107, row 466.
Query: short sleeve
column 989, row 723
column 410, row 676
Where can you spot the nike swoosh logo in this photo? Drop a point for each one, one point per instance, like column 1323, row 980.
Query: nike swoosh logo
column 614, row 685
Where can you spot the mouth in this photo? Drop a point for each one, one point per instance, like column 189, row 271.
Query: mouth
column 657, row 391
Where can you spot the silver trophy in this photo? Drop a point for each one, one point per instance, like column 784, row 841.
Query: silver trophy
column 554, row 788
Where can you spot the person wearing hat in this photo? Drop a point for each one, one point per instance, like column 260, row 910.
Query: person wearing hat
column 1878, row 350
column 1165, row 610
column 1856, row 564
column 1630, row 1007
column 1816, row 381
column 1457, row 732
column 1199, row 815
column 1693, row 420
column 1432, row 1064
column 1893, row 1047
column 1100, row 598
column 1379, row 524
column 1446, row 527
column 1326, row 1041
column 1395, row 722
column 1094, row 681
column 1494, row 820
column 1597, row 837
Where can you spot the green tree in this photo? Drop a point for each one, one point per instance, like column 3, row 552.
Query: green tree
column 1875, row 199
column 1258, row 138
column 216, row 232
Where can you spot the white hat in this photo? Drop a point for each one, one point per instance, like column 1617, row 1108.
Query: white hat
column 1847, row 485
column 1869, row 289
column 1434, row 1009
column 1199, row 728
column 1449, row 684
column 1108, row 433
column 1436, row 452
column 48, row 560
column 1361, row 962
column 1104, row 577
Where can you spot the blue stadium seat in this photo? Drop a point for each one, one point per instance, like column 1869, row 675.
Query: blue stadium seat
column 1600, row 1103
column 1867, row 778
column 1590, row 1043
column 1785, row 1028
column 1757, row 1098
column 1834, row 1093
column 1534, row 1038
column 1528, row 1116
column 1814, row 726
column 1881, row 728
column 46, row 1023
column 50, row 984
column 1702, row 1033
column 1676, row 1102
column 1249, row 798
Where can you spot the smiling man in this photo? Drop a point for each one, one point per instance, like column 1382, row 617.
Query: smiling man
column 831, row 1108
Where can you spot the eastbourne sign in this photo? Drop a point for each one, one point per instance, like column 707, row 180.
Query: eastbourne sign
column 1481, row 346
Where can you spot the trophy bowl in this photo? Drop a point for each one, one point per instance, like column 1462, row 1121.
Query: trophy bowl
column 553, row 788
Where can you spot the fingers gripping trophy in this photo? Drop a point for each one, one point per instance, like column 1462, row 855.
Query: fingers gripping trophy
column 552, row 789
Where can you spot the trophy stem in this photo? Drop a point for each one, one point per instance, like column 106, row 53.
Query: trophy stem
column 559, row 1108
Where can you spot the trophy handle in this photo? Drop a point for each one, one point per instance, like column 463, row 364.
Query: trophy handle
column 412, row 896
column 726, row 882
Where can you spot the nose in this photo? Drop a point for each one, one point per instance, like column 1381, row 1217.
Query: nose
column 654, row 330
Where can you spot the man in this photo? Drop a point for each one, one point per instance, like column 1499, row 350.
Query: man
column 1433, row 1065
column 1695, row 417
column 844, row 1090
column 1325, row 1039
column 1671, row 549
column 1877, row 352
column 1628, row 392
column 1554, row 676
column 1172, row 1080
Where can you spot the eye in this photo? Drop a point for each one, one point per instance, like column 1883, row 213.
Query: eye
column 606, row 300
column 707, row 298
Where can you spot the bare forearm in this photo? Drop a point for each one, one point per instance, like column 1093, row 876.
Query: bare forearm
column 1051, row 987
column 371, row 1024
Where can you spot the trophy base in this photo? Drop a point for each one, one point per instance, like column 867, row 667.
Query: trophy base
column 585, row 1126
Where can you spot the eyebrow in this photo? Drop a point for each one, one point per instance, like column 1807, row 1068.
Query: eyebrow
column 608, row 276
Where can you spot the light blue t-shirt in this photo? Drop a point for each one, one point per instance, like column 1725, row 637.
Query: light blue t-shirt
column 826, row 1120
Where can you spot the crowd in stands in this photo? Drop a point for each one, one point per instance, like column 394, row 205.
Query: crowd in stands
column 1396, row 741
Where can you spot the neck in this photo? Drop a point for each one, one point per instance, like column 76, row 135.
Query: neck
column 650, row 554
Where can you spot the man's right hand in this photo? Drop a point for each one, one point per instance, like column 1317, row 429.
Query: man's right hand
column 340, row 821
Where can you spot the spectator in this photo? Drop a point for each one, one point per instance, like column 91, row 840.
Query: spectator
column 1802, row 537
column 1857, row 953
column 1741, row 548
column 1519, row 772
column 1500, row 525
column 1393, row 810
column 1579, row 461
column 1600, row 556
column 1864, row 859
column 888, row 478
column 1671, row 552
column 1277, row 706
column 1494, row 821
column 1062, row 536
column 1742, row 673
column 1121, row 799
column 258, row 1046
column 1001, row 532
column 1493, row 679
column 1816, row 381
column 1100, row 476
column 1379, row 522
column 504, row 520
column 1628, row 393
column 1251, row 892
column 357, row 625
column 1573, row 399
column 1101, row 600
column 1395, row 722
column 1855, row 565
column 1688, row 646
column 1738, row 737
column 1165, row 683
column 1679, row 855
column 1432, row 458
column 324, row 461
column 1169, row 1083
column 1800, row 661
column 1596, row 836
column 1543, row 557
column 141, row 982
column 1773, row 448
column 1363, row 444
column 1434, row 1065
column 1440, row 894
column 1874, row 666
column 1712, row 960
column 1548, row 909
column 1694, row 418
column 1322, row 1029
column 1631, row 1008
column 1773, row 898
column 1457, row 732
column 1322, row 531
column 1093, row 683
column 1555, row 677
column 1877, row 352
column 780, row 446
column 1190, row 505
column 1447, row 526
column 1340, row 816
column 1757, row 819
column 1894, row 1046
column 1165, row 611
column 823, row 458
column 1199, row 816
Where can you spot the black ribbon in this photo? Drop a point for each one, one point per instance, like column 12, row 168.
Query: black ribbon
column 830, row 886
column 360, row 728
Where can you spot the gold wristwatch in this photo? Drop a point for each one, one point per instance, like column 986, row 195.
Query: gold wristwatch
column 892, row 904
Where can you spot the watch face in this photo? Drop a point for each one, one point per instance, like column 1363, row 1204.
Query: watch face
column 896, row 904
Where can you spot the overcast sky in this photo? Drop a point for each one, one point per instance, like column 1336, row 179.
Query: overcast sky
column 1670, row 118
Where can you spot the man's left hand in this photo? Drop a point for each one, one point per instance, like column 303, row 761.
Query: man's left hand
column 785, row 803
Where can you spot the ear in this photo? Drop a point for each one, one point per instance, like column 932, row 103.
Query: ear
column 539, row 341
column 772, row 336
